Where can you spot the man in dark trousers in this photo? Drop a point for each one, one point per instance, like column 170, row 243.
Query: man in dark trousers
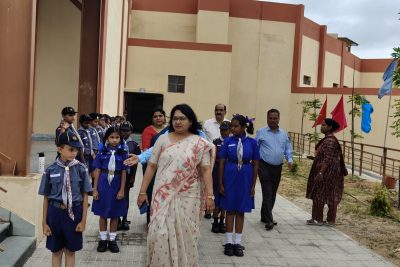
column 274, row 146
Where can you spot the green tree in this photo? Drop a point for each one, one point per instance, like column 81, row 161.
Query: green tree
column 396, row 83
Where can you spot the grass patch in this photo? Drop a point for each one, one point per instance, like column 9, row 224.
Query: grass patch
column 354, row 217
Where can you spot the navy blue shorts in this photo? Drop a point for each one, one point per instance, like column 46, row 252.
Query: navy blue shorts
column 63, row 234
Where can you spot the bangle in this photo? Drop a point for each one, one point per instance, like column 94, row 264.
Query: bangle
column 142, row 193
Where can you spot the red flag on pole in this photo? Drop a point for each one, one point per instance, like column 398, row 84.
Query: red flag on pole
column 339, row 115
column 322, row 114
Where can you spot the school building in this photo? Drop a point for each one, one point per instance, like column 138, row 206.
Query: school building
column 128, row 56
column 125, row 57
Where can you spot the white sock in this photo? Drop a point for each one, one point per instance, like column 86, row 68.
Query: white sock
column 228, row 238
column 103, row 235
column 113, row 236
column 238, row 238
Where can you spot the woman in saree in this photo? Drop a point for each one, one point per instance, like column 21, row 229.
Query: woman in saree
column 326, row 180
column 182, row 190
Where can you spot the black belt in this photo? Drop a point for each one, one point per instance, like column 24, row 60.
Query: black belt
column 274, row 166
column 244, row 162
column 60, row 205
column 110, row 172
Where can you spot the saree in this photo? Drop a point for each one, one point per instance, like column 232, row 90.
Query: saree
column 178, row 200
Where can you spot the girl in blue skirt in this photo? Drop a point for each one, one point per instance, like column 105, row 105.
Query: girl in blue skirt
column 109, row 186
column 238, row 169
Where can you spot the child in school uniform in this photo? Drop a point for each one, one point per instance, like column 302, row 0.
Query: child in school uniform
column 238, row 168
column 86, row 138
column 65, row 186
column 109, row 188
column 219, row 226
column 96, row 141
column 133, row 148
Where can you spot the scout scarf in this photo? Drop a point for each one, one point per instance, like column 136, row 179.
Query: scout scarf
column 66, row 189
column 111, row 167
column 239, row 153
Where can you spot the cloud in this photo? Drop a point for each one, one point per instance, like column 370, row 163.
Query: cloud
column 374, row 25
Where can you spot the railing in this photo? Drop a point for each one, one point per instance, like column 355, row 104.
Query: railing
column 377, row 159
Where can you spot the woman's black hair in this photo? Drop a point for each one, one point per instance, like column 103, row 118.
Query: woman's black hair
column 189, row 113
column 244, row 122
column 107, row 134
column 156, row 110
column 332, row 123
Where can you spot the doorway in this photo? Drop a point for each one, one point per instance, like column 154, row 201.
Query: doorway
column 139, row 107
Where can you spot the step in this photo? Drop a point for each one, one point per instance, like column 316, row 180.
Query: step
column 17, row 249
column 4, row 230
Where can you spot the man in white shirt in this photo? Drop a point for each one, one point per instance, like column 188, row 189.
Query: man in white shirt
column 211, row 126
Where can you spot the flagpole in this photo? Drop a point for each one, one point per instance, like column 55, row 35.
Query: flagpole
column 387, row 118
column 384, row 142
column 352, row 121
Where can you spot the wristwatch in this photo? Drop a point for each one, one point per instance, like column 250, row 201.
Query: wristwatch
column 211, row 197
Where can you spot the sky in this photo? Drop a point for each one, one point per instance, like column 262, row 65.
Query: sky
column 373, row 24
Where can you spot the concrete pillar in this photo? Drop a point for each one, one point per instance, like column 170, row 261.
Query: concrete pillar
column 17, row 58
column 89, row 57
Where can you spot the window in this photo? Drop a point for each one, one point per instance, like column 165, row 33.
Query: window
column 335, row 85
column 176, row 84
column 306, row 80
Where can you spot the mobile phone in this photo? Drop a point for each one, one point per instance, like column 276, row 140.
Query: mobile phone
column 143, row 208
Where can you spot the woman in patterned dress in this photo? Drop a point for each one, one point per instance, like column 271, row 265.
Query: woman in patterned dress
column 326, row 180
column 183, row 162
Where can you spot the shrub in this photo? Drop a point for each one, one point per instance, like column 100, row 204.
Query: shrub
column 295, row 168
column 380, row 205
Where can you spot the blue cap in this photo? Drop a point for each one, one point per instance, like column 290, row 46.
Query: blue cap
column 226, row 125
column 68, row 138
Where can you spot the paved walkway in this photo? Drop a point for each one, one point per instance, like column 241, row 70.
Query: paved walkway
column 291, row 243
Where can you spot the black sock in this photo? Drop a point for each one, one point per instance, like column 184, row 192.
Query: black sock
column 221, row 220
column 215, row 220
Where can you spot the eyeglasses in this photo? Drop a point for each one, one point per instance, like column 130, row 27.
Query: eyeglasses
column 175, row 119
column 158, row 116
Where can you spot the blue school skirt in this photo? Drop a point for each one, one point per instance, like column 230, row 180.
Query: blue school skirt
column 237, row 187
column 108, row 206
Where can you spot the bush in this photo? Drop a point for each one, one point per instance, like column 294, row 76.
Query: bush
column 295, row 168
column 380, row 205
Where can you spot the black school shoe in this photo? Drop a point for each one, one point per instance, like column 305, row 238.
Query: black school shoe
column 102, row 247
column 215, row 227
column 238, row 250
column 113, row 246
column 222, row 228
column 269, row 226
column 229, row 250
column 207, row 216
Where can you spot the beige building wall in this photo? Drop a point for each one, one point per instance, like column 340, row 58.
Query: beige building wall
column 348, row 77
column 309, row 61
column 261, row 67
column 244, row 35
column 332, row 69
column 212, row 27
column 112, row 58
column 30, row 206
column 163, row 26
column 275, row 70
column 207, row 76
column 371, row 80
column 57, row 63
